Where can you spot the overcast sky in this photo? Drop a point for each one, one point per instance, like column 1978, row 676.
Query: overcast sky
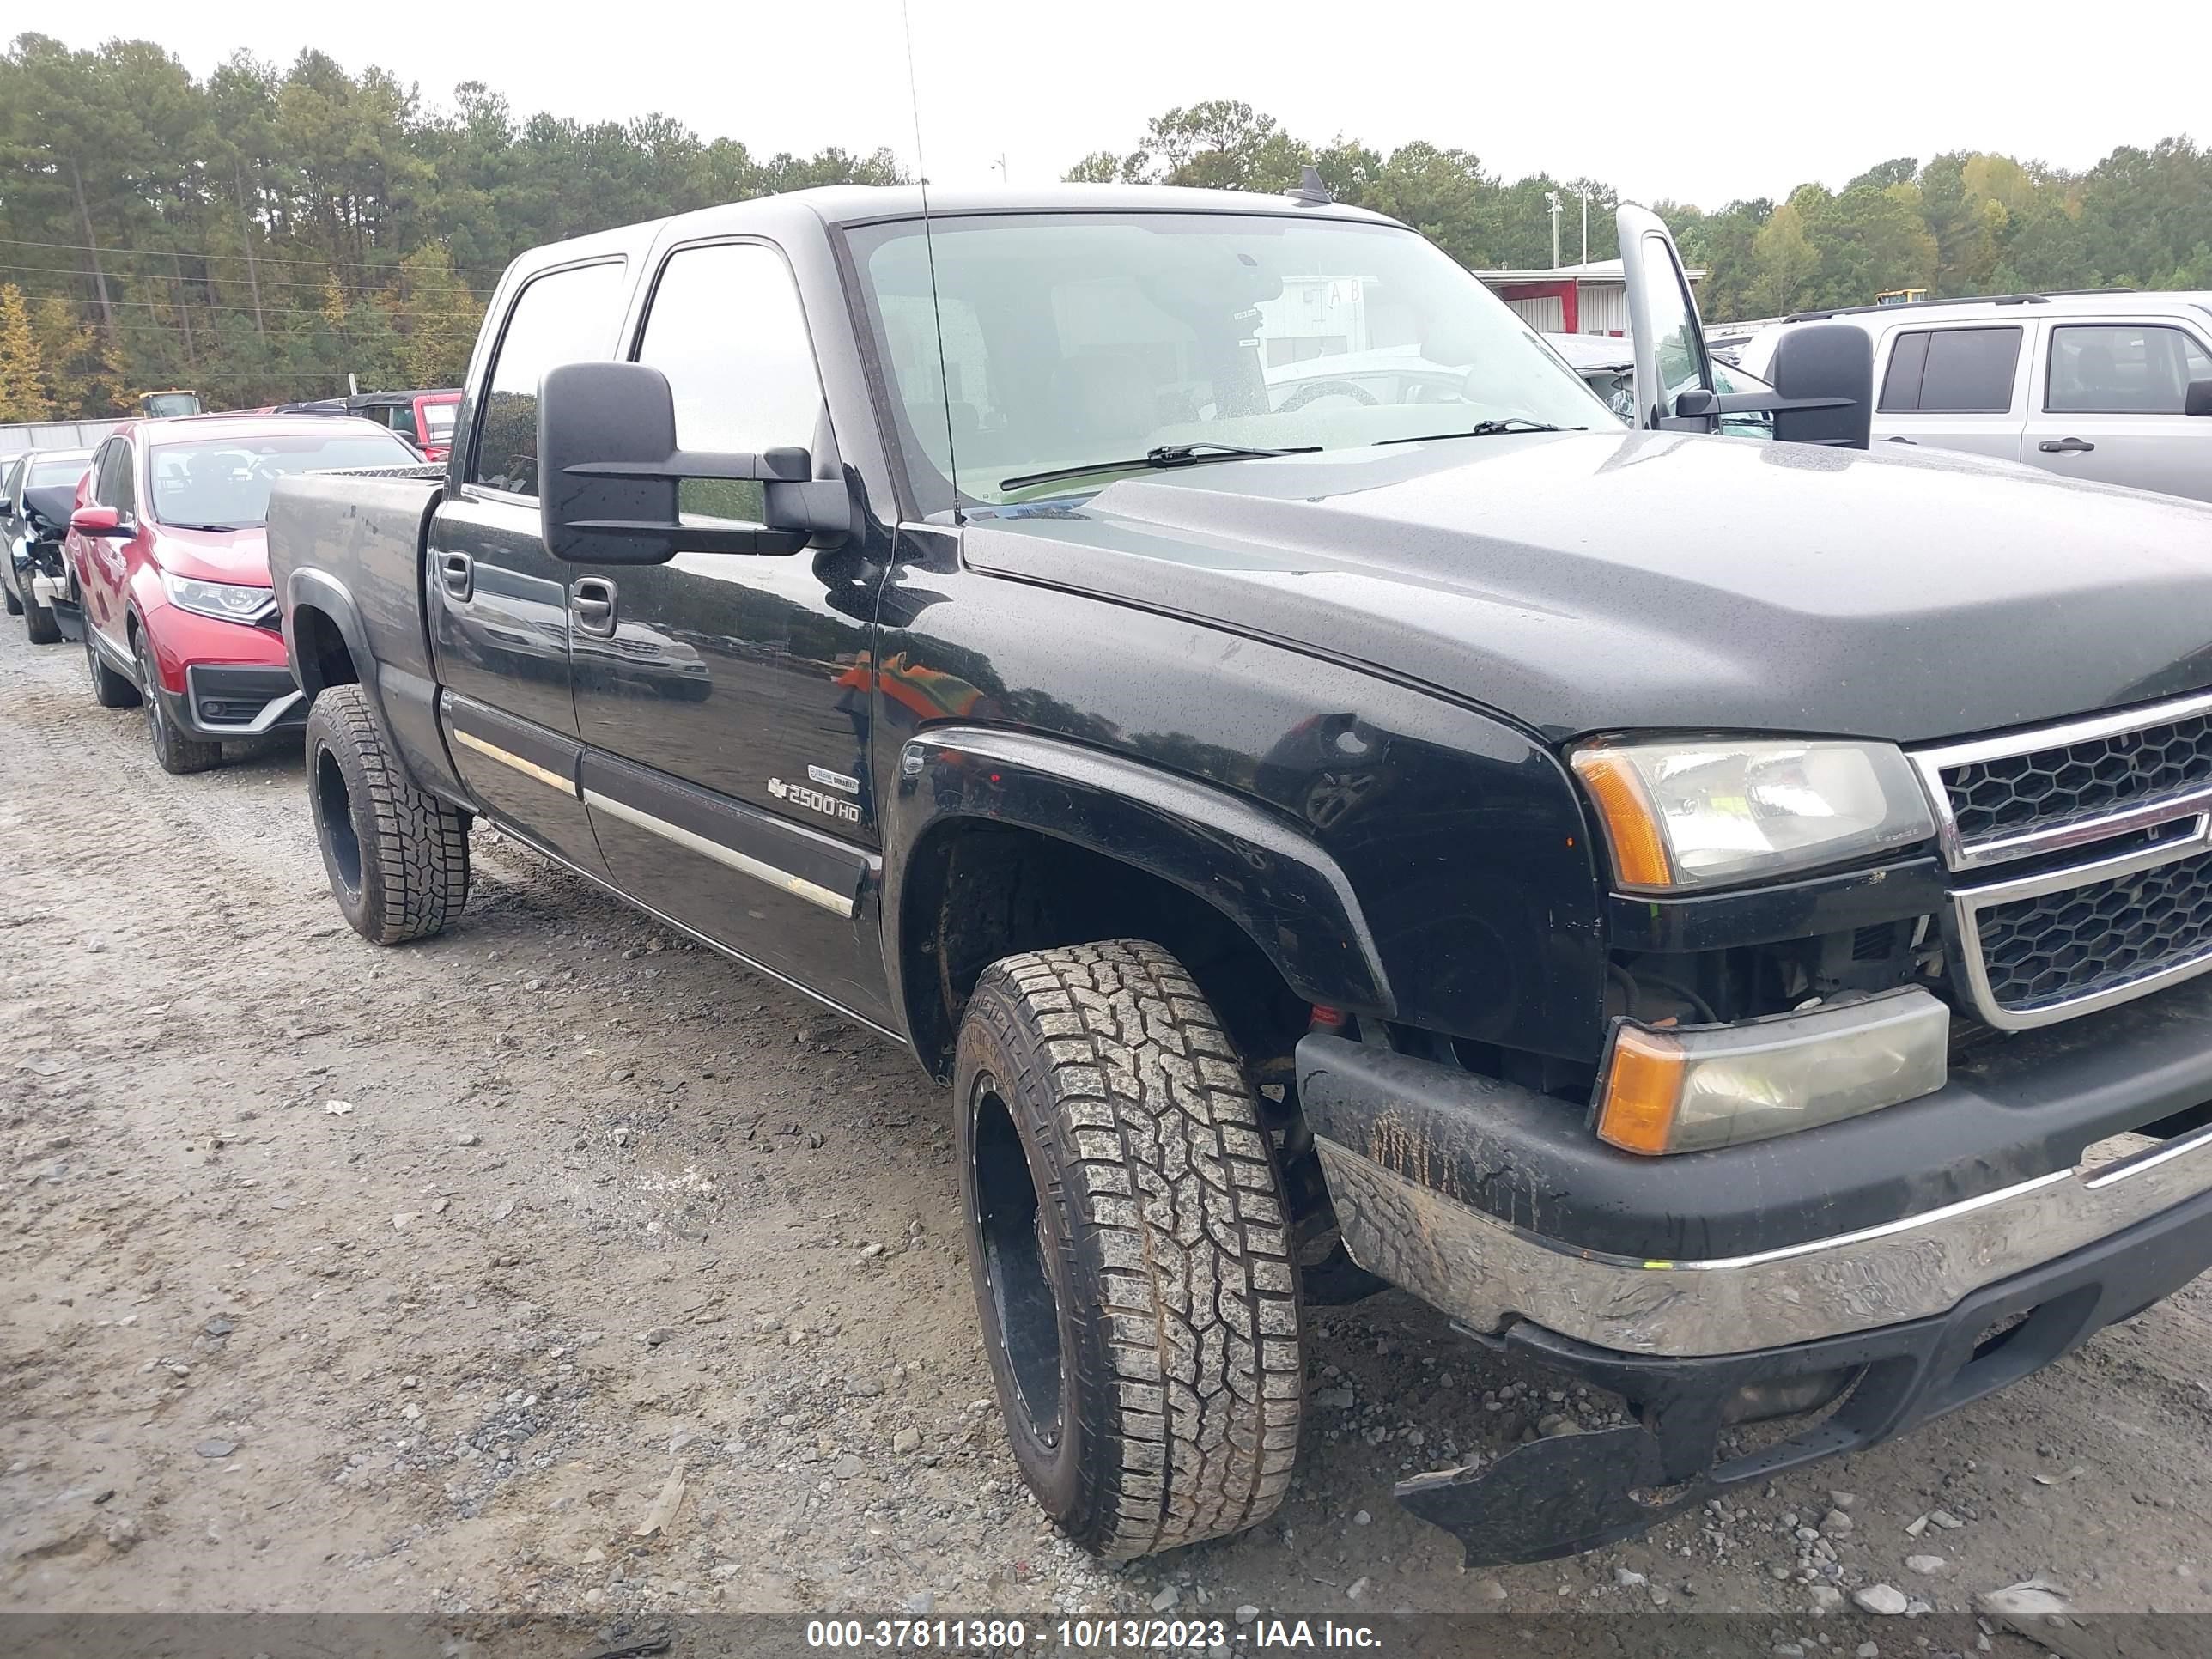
column 1700, row 102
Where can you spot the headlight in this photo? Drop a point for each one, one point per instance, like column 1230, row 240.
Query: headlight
column 226, row 601
column 1689, row 814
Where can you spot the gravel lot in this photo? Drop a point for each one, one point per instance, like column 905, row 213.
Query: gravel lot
column 404, row 1280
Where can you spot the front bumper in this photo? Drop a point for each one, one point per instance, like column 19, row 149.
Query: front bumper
column 234, row 700
column 1574, row 1492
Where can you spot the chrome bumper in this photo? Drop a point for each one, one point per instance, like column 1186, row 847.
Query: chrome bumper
column 1486, row 1273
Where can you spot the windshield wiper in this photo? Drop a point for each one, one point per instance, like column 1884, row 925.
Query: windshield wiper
column 174, row 524
column 1486, row 430
column 1166, row 455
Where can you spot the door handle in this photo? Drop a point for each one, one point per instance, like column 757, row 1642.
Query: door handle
column 2065, row 446
column 1899, row 438
column 592, row 603
column 457, row 574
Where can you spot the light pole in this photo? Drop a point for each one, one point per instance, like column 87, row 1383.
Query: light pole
column 1552, row 203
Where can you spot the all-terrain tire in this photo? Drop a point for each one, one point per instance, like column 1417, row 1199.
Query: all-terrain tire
column 109, row 689
column 1130, row 1250
column 178, row 753
column 398, row 858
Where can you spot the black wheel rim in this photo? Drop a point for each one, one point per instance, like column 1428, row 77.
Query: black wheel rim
column 334, row 807
column 1008, row 1220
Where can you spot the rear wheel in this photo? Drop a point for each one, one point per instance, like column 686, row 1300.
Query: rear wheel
column 109, row 689
column 175, row 750
column 1128, row 1245
column 398, row 858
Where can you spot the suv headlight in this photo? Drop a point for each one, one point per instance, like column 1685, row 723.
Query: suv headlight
column 1682, row 814
column 226, row 601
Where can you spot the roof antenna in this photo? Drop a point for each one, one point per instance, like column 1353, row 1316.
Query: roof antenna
column 929, row 248
column 1310, row 191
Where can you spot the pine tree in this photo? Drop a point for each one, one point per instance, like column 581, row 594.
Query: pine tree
column 441, row 316
column 22, row 371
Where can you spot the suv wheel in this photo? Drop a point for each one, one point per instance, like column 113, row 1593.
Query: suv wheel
column 398, row 858
column 177, row 752
column 109, row 689
column 1128, row 1243
column 38, row 619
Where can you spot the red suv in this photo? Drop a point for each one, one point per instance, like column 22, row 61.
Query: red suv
column 174, row 570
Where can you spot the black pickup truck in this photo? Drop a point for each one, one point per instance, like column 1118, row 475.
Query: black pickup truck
column 1722, row 919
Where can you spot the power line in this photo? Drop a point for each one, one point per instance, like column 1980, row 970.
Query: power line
column 163, row 253
column 172, row 277
column 196, row 305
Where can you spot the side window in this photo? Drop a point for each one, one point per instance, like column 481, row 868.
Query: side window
column 2123, row 368
column 126, row 478
column 564, row 317
column 110, row 478
column 1960, row 371
column 100, row 473
column 1908, row 361
column 727, row 328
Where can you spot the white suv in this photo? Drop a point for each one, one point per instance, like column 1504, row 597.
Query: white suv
column 2114, row 386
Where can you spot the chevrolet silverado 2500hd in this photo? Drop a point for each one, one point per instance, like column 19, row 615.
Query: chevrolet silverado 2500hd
column 1697, row 911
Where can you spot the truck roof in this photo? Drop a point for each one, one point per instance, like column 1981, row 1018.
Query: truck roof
column 835, row 206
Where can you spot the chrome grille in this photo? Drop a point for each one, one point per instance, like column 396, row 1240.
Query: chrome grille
column 2129, row 797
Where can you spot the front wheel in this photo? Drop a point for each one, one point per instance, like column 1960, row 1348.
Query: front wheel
column 177, row 752
column 397, row 858
column 1129, row 1248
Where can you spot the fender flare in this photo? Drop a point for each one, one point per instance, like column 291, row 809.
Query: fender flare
column 1277, row 886
column 416, row 744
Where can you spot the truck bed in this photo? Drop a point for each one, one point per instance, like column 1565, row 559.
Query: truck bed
column 350, row 546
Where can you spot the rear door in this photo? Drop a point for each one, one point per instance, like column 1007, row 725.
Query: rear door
column 497, row 601
column 1959, row 387
column 724, row 698
column 2108, row 402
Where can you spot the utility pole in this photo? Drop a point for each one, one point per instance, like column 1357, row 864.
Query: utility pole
column 1004, row 178
column 1585, row 194
column 1552, row 204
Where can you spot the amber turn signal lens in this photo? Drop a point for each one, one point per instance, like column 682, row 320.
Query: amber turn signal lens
column 1631, row 827
column 1641, row 1089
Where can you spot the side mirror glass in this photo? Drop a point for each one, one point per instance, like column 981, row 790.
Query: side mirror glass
column 96, row 520
column 2197, row 400
column 1823, row 378
column 609, row 472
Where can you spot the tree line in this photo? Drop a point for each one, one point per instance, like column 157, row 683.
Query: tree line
column 260, row 234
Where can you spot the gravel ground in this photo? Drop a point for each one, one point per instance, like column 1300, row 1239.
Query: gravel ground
column 409, row 1280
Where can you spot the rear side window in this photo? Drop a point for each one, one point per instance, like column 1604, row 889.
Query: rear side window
column 1952, row 371
column 2124, row 368
column 563, row 316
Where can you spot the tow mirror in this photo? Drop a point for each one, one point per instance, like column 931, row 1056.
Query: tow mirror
column 609, row 476
column 2197, row 400
column 1823, row 377
column 95, row 520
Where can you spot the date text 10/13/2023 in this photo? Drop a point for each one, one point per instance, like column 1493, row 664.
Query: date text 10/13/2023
column 1011, row 1637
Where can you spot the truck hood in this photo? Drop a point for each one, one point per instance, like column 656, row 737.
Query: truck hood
column 1664, row 580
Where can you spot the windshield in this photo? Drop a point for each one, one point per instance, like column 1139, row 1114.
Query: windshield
column 1073, row 338
column 438, row 421
column 226, row 481
column 58, row 468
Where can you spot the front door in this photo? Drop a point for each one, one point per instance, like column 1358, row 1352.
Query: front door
column 723, row 698
column 498, row 602
column 2110, row 404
